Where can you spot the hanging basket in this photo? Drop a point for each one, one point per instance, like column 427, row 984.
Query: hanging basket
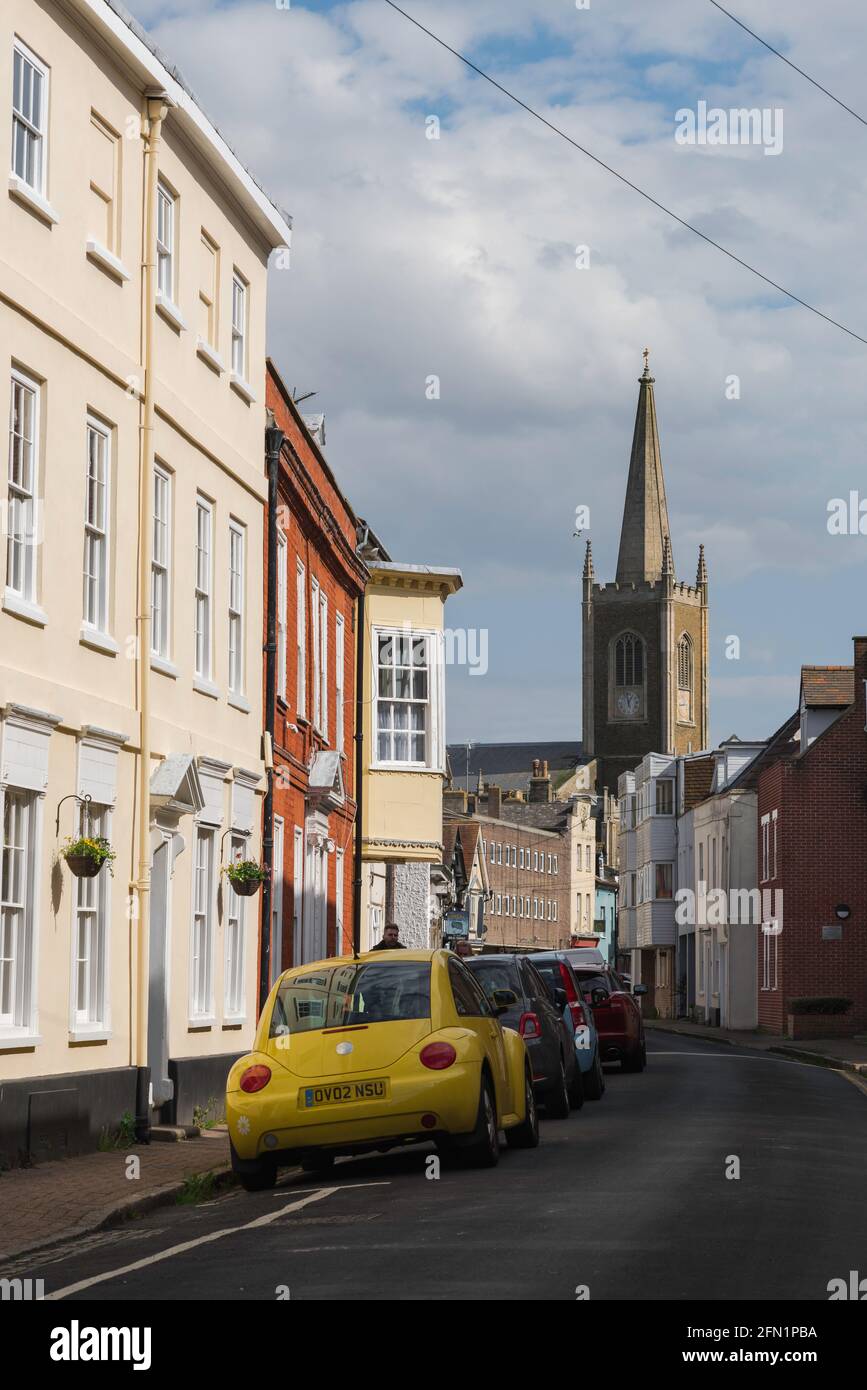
column 247, row 887
column 83, row 865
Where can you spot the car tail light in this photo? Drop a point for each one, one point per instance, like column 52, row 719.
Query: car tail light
column 577, row 1011
column 437, row 1056
column 571, row 992
column 530, row 1027
column 255, row 1078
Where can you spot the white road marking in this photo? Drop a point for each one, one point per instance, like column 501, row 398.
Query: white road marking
column 736, row 1057
column 316, row 1195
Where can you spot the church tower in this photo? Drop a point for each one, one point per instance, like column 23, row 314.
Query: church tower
column 645, row 637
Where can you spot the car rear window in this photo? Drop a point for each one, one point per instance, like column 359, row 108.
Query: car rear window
column 495, row 974
column 589, row 982
column 370, row 992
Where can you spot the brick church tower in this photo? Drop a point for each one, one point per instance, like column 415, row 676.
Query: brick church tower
column 645, row 637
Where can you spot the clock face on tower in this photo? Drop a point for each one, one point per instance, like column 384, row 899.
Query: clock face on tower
column 628, row 704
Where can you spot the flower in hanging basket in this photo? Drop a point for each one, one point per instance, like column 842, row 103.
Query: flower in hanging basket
column 245, row 876
column 87, row 854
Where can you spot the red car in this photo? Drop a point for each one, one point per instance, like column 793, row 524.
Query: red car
column 616, row 1015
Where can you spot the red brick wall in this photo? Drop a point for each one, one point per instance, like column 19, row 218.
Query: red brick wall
column 821, row 800
column 320, row 532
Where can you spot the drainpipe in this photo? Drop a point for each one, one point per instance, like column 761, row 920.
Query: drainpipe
column 156, row 108
column 359, row 776
column 273, row 445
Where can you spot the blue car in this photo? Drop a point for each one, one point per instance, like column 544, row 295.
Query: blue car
column 557, row 972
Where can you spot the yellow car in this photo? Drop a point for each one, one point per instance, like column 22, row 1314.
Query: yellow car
column 367, row 1053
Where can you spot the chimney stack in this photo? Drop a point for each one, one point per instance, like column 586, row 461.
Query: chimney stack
column 540, row 782
column 495, row 801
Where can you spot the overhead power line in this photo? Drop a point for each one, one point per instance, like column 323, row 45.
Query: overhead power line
column 777, row 54
column 690, row 227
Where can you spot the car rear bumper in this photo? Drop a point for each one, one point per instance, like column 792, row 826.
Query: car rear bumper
column 448, row 1100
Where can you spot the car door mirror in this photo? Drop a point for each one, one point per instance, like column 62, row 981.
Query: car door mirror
column 639, row 989
column 598, row 997
column 502, row 1000
column 561, row 998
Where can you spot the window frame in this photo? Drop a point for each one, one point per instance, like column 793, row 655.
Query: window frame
column 240, row 334
column 20, row 1022
column 98, row 822
column 203, row 973
column 339, row 681
column 93, row 533
column 161, row 566
column 38, row 133
column 282, row 655
column 166, row 250
column 235, row 612
column 202, row 598
column 234, row 963
column 25, row 496
column 301, row 638
column 433, row 704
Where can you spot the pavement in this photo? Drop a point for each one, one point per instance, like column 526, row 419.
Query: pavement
column 696, row 1179
column 845, row 1054
column 70, row 1197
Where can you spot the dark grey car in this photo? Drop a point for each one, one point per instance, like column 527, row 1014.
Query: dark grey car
column 556, row 1074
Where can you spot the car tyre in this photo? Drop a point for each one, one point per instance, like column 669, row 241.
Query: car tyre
column 637, row 1060
column 254, row 1174
column 557, row 1097
column 594, row 1082
column 483, row 1150
column 576, row 1090
column 526, row 1135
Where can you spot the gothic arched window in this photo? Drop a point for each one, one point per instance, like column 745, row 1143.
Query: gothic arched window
column 684, row 663
column 629, row 660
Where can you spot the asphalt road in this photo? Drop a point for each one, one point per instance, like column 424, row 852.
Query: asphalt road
column 629, row 1197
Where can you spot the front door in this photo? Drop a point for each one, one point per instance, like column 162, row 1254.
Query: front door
column 162, row 1088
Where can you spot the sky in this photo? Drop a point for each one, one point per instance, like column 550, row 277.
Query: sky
column 457, row 258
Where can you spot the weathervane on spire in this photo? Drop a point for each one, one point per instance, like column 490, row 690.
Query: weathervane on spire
column 647, row 361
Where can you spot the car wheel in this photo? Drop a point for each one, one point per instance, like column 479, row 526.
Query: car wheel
column 318, row 1163
column 483, row 1150
column 594, row 1081
column 636, row 1060
column 576, row 1090
column 254, row 1174
column 526, row 1135
column 557, row 1098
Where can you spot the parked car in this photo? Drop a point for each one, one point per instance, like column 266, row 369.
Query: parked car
column 538, row 1017
column 390, row 1048
column 558, row 973
column 617, row 1016
column 584, row 955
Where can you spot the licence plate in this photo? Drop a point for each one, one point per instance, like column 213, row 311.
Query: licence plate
column 341, row 1091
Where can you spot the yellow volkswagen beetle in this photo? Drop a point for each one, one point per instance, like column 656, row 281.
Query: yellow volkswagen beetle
column 371, row 1052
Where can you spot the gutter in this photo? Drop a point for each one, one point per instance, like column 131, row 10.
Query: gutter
column 156, row 111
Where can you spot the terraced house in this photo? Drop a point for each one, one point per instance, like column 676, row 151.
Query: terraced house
column 134, row 249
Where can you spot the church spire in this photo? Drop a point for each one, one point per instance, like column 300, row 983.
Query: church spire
column 701, row 572
column 588, row 562
column 645, row 511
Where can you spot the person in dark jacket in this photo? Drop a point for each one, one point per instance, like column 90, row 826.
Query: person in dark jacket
column 389, row 940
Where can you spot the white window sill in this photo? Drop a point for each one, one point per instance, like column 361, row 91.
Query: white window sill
column 105, row 259
column 10, row 1039
column 242, row 387
column 234, row 1020
column 239, row 702
column 170, row 312
column 165, row 668
column 406, row 767
column 24, row 608
column 99, row 641
column 210, row 356
column 206, row 1021
column 89, row 1034
column 206, row 687
column 32, row 200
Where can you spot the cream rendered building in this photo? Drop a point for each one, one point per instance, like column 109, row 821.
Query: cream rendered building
column 403, row 748
column 133, row 262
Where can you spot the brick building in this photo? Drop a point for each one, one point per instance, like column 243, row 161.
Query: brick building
column 319, row 581
column 812, row 849
column 539, row 858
